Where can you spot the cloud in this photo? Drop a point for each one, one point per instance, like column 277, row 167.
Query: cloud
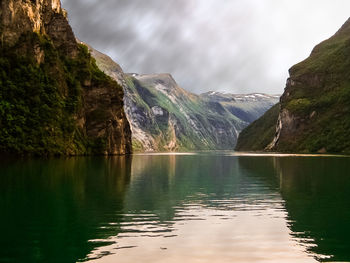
column 237, row 46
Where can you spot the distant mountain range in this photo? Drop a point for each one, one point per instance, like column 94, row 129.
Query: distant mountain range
column 165, row 117
column 314, row 114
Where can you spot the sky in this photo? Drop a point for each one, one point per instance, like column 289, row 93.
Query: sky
column 233, row 46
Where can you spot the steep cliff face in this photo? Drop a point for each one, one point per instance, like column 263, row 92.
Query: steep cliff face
column 258, row 135
column 315, row 107
column 165, row 117
column 45, row 17
column 53, row 97
column 314, row 114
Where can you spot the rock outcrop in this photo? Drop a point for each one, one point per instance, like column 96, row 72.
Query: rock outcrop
column 258, row 135
column 53, row 97
column 45, row 17
column 314, row 115
column 165, row 117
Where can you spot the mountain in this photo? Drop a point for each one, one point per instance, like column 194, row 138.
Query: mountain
column 259, row 134
column 314, row 113
column 53, row 98
column 247, row 107
column 165, row 117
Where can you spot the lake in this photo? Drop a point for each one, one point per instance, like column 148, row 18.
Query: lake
column 207, row 207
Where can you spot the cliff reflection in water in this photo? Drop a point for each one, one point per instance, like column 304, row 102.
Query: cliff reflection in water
column 52, row 208
column 210, row 207
column 316, row 193
column 205, row 208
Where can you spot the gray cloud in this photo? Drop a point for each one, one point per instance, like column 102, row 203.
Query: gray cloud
column 237, row 46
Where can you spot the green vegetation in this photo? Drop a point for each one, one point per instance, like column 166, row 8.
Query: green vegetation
column 137, row 146
column 39, row 103
column 187, row 137
column 323, row 85
column 260, row 133
column 173, row 119
column 299, row 106
column 318, row 100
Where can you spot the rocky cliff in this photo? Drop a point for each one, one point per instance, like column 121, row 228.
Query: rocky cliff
column 53, row 97
column 314, row 114
column 165, row 117
column 258, row 135
column 44, row 17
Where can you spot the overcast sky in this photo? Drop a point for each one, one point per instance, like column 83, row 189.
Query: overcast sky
column 236, row 46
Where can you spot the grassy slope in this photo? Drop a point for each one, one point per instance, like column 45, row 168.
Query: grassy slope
column 322, row 86
column 318, row 97
column 260, row 133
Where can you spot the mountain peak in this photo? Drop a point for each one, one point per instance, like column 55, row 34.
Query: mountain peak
column 160, row 79
column 338, row 40
column 345, row 28
column 154, row 76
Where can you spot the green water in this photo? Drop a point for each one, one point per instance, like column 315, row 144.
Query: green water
column 176, row 208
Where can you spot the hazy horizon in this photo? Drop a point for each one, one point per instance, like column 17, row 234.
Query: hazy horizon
column 235, row 46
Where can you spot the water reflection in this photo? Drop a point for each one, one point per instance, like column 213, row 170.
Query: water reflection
column 316, row 192
column 175, row 208
column 50, row 209
column 203, row 208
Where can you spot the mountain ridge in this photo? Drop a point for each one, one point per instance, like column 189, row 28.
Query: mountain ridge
column 166, row 117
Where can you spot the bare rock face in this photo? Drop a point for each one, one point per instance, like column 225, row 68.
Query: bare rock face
column 19, row 17
column 287, row 125
column 104, row 117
